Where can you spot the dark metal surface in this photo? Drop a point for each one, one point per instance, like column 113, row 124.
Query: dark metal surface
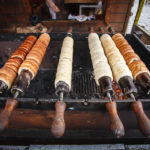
column 84, row 89
column 72, row 137
column 84, row 96
column 79, row 147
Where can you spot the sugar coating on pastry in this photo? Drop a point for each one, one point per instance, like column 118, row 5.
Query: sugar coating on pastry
column 35, row 56
column 132, row 59
column 116, row 60
column 9, row 71
column 64, row 68
column 99, row 60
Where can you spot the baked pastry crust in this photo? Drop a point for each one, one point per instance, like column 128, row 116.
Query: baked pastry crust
column 35, row 56
column 99, row 60
column 115, row 59
column 64, row 68
column 9, row 71
column 132, row 59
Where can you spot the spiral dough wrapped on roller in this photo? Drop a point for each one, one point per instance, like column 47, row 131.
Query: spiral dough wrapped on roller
column 35, row 56
column 9, row 71
column 99, row 60
column 133, row 61
column 64, row 69
column 116, row 61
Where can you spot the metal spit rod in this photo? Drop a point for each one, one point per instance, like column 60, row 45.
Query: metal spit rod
column 16, row 94
column 61, row 96
column 109, row 96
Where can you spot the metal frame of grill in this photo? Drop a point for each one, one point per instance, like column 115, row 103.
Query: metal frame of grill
column 84, row 88
column 84, row 95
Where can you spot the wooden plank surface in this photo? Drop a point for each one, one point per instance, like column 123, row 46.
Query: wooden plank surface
column 120, row 1
column 119, row 8
column 81, row 26
column 14, row 12
column 117, row 18
column 75, row 120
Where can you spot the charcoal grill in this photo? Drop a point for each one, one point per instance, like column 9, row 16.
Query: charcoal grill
column 86, row 117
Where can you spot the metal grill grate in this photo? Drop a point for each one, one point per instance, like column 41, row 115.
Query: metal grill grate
column 84, row 86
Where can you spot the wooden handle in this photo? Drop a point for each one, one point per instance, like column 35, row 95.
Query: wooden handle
column 143, row 120
column 11, row 104
column 58, row 125
column 116, row 126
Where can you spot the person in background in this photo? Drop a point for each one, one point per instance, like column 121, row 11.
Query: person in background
column 53, row 9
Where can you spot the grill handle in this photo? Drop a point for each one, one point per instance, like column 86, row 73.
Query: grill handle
column 58, row 125
column 116, row 125
column 143, row 120
column 10, row 106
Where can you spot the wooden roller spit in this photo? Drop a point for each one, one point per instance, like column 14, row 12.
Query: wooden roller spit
column 139, row 70
column 120, row 70
column 140, row 74
column 9, row 71
column 103, row 78
column 30, row 66
column 63, row 83
column 27, row 71
column 8, row 74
